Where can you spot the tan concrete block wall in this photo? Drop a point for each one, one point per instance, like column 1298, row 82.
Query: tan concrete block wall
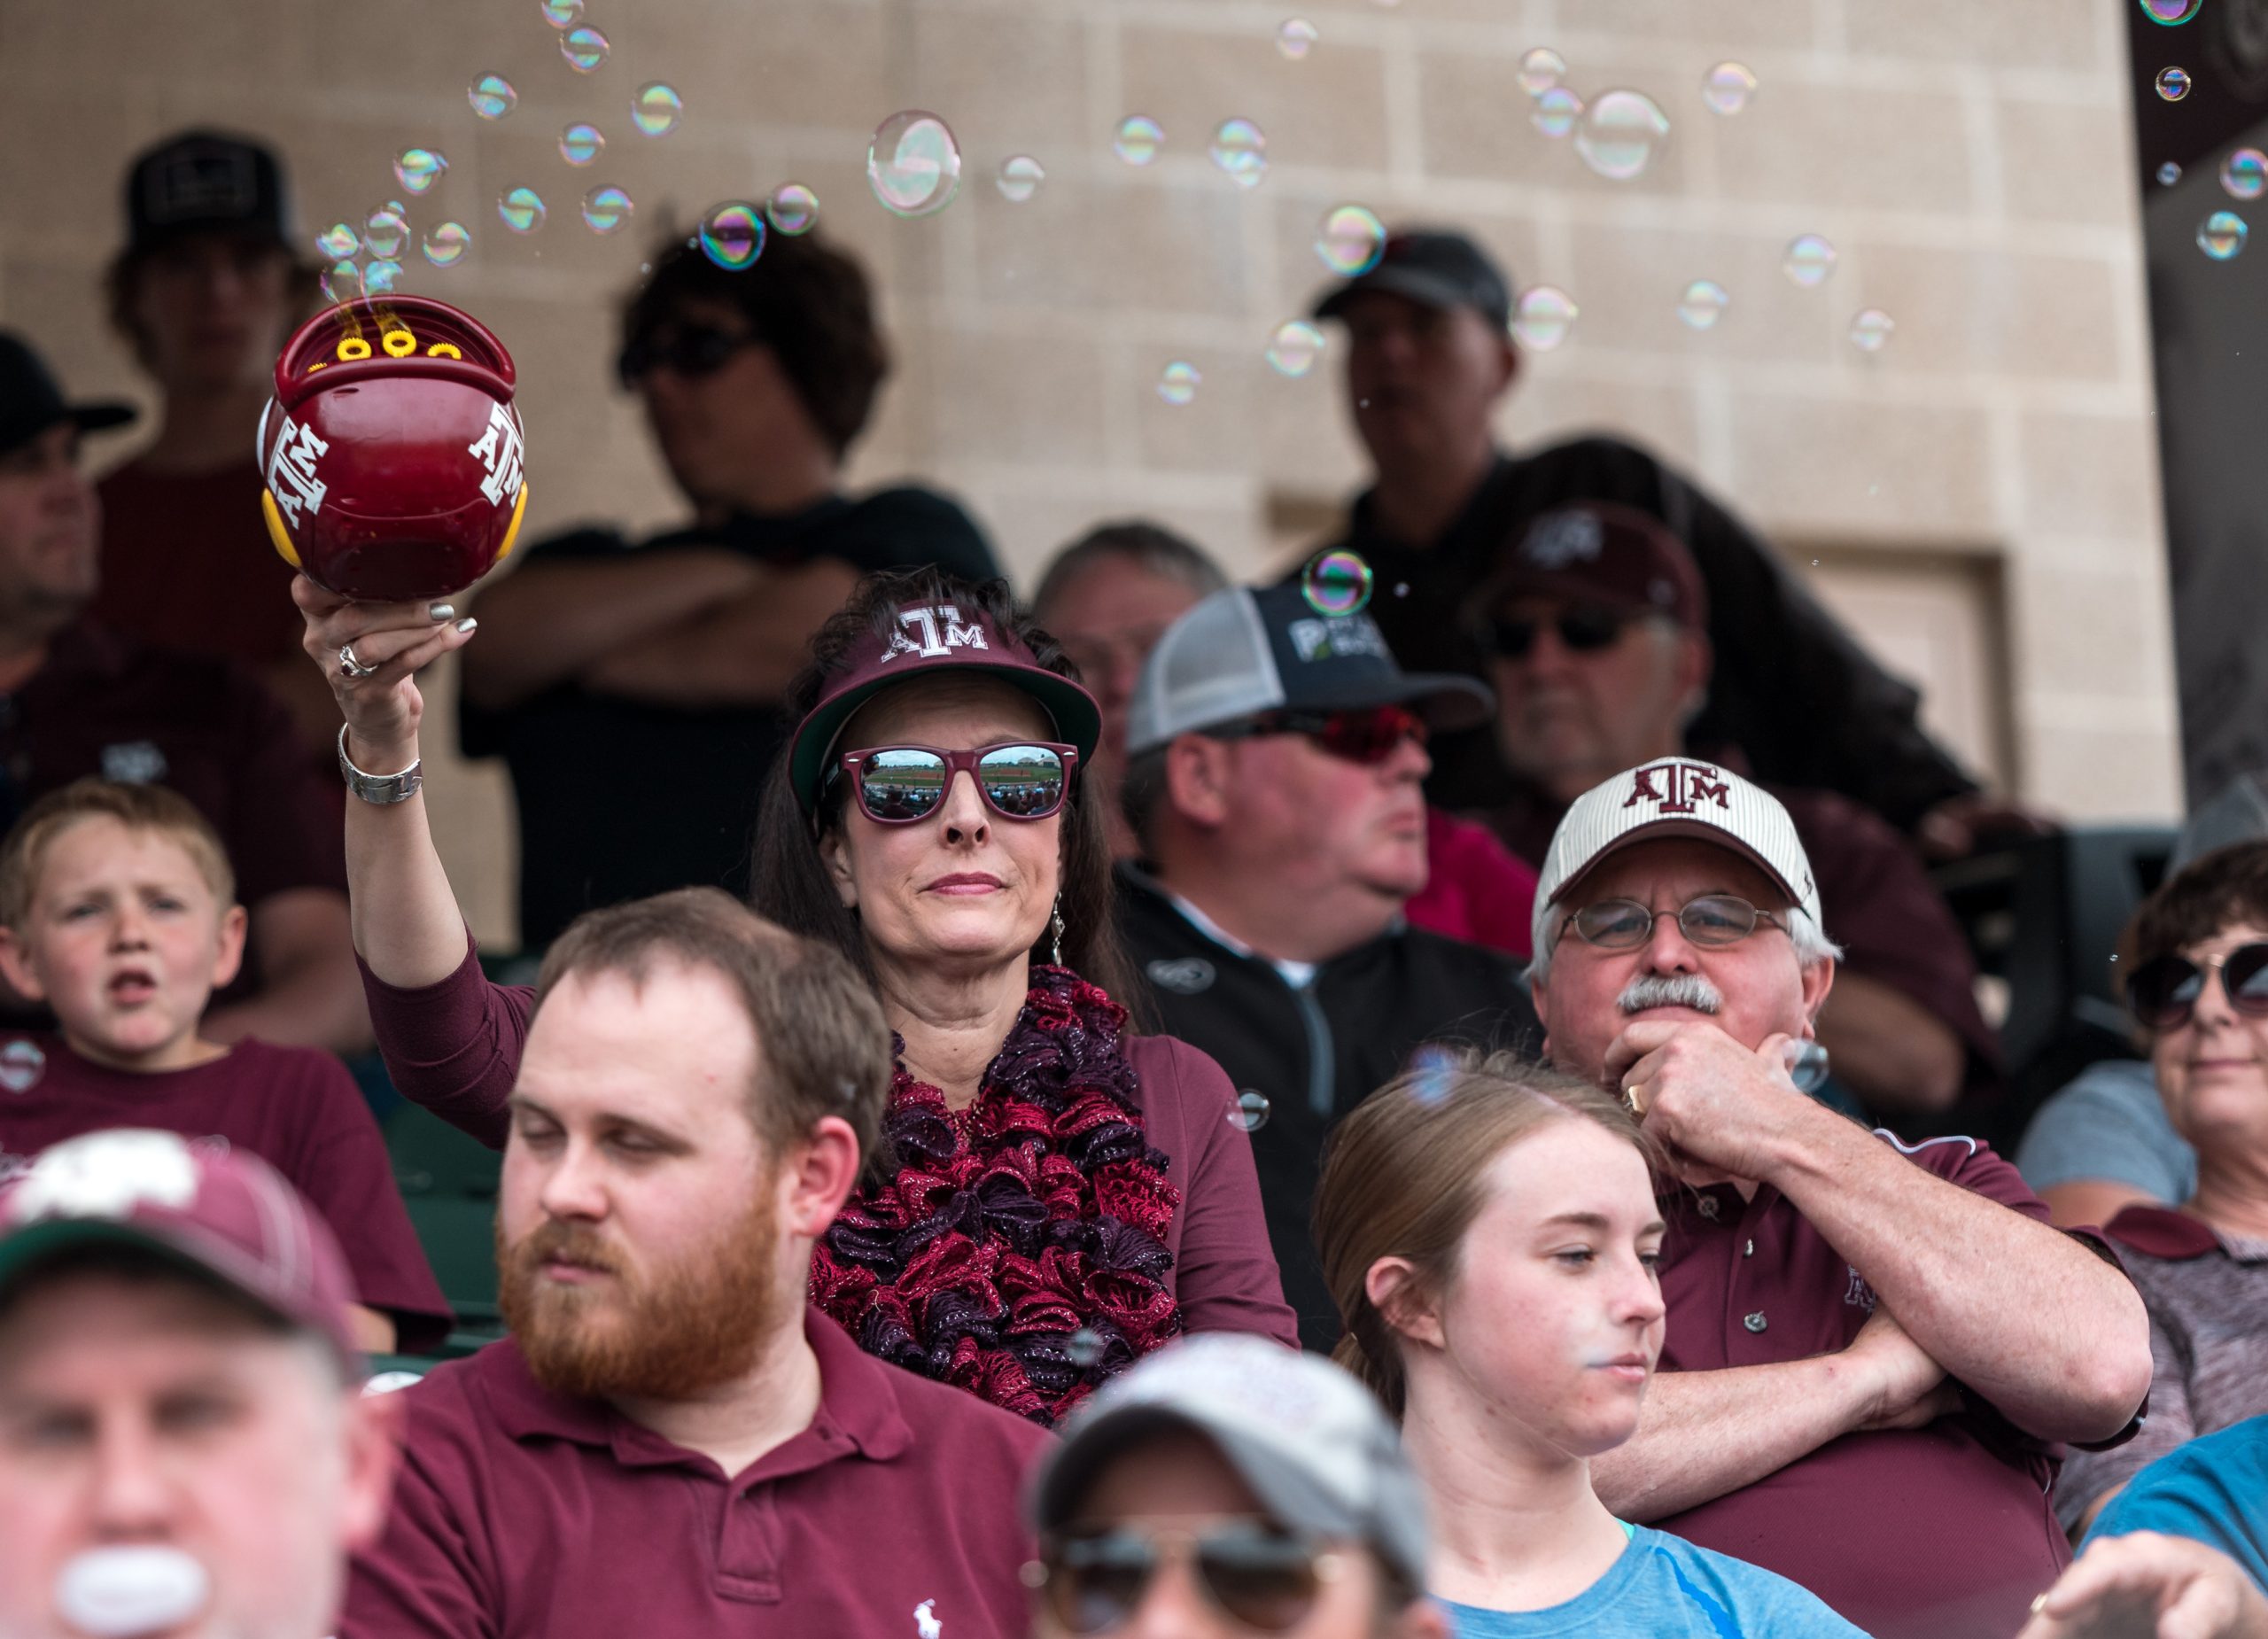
column 1972, row 163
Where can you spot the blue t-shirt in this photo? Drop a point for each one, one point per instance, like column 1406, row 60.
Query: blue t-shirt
column 1664, row 1587
column 2214, row 1489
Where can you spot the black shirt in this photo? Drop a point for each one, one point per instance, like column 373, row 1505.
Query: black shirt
column 1315, row 1051
column 1791, row 689
column 619, row 798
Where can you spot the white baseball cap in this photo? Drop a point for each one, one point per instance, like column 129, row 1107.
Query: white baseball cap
column 1677, row 797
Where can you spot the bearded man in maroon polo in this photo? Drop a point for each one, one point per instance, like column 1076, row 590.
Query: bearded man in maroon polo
column 671, row 1440
column 1875, row 1352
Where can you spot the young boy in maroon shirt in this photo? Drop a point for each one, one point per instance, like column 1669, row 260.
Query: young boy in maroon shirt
column 117, row 909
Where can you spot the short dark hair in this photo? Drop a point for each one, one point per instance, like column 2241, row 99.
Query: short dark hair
column 1151, row 545
column 789, row 879
column 122, row 282
column 822, row 1048
column 2228, row 886
column 807, row 301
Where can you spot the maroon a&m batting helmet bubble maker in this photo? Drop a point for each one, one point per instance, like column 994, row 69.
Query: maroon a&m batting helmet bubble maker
column 392, row 450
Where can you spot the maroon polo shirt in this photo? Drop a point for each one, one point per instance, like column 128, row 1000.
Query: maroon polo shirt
column 1934, row 1533
column 521, row 1514
column 295, row 1108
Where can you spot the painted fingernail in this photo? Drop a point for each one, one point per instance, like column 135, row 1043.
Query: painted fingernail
column 467, row 624
column 438, row 613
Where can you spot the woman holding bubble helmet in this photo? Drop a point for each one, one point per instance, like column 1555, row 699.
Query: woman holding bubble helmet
column 1061, row 1195
column 1490, row 1231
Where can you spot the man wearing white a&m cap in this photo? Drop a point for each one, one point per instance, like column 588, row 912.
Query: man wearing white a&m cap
column 1873, row 1350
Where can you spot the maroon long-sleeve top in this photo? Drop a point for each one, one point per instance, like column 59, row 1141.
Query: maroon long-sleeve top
column 454, row 1048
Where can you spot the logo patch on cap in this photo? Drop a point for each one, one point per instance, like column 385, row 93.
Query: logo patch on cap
column 1677, row 788
column 107, row 1174
column 1565, row 538
column 940, row 628
column 1337, row 638
column 203, row 183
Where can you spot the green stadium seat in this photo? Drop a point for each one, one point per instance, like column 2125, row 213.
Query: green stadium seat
column 448, row 1181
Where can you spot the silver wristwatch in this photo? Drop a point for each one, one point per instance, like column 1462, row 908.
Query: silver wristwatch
column 381, row 789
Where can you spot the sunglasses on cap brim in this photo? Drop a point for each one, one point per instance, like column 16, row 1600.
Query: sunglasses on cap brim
column 906, row 784
column 2163, row 992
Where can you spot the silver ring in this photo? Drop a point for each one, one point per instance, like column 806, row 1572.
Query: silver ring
column 350, row 667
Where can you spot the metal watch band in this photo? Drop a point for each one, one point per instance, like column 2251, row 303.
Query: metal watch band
column 380, row 789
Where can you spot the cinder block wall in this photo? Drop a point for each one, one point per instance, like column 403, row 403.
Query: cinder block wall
column 1972, row 163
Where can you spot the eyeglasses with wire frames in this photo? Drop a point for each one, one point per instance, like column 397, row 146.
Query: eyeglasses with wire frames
column 1369, row 736
column 1712, row 921
column 1094, row 1582
column 906, row 784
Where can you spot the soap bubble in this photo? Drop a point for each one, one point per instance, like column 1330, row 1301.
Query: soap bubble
column 1543, row 317
column 417, row 169
column 381, row 278
column 585, row 49
column 1085, row 1348
column 1178, row 382
column 1337, row 582
column 382, row 234
column 2169, row 174
column 521, row 210
column 2173, row 83
column 1540, row 70
column 792, row 209
column 2221, row 234
column 2244, row 174
column 1619, row 132
column 492, row 97
column 1871, row 329
column 1557, row 110
column 2171, row 12
column 1434, row 1073
column 1295, row 38
column 1240, row 149
column 732, row 235
column 341, row 282
column 1295, row 347
column 581, row 143
column 1248, row 1110
column 1809, row 259
column 446, row 246
column 1702, row 303
column 1020, row 178
column 914, row 164
column 606, row 209
column 1138, row 139
column 563, row 13
column 656, row 109
column 1728, row 86
column 338, row 242
column 1351, row 240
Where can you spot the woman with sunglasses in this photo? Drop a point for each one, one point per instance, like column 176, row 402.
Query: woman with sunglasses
column 1058, row 1195
column 2195, row 960
column 1490, row 1231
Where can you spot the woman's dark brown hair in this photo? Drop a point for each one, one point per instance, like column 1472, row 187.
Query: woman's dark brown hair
column 789, row 881
column 1406, row 1174
column 2213, row 892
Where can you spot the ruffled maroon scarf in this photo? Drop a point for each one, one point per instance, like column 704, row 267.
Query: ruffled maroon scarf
column 1020, row 1251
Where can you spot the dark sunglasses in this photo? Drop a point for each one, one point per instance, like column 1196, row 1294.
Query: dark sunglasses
column 1585, row 629
column 2165, row 991
column 1712, row 920
column 1266, row 1581
column 1368, row 736
column 906, row 784
column 688, row 350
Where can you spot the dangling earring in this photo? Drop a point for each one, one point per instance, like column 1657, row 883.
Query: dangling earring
column 1055, row 927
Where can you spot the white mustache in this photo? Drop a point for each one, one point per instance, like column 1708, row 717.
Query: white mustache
column 1673, row 989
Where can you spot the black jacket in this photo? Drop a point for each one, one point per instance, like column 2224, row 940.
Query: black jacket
column 1805, row 703
column 1315, row 1052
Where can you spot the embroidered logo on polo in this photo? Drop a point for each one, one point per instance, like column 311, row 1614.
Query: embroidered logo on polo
column 1565, row 538
column 1187, row 975
column 1678, row 788
column 134, row 761
column 940, row 628
column 1859, row 1295
column 1341, row 637
column 926, row 1624
column 21, row 1065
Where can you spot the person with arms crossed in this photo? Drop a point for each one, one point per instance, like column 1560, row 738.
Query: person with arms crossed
column 1850, row 1319
column 185, row 1446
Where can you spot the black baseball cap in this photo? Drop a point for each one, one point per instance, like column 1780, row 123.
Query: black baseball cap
column 1435, row 266
column 30, row 402
column 205, row 179
column 1241, row 652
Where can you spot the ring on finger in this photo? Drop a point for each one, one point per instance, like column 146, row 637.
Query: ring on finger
column 351, row 666
column 1632, row 1101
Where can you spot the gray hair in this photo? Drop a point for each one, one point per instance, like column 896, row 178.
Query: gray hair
column 1812, row 946
column 1147, row 545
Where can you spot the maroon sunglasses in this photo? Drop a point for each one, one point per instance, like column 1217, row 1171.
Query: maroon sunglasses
column 906, row 784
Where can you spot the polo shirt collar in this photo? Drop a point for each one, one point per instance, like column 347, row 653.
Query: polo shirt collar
column 2163, row 1233
column 859, row 1411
